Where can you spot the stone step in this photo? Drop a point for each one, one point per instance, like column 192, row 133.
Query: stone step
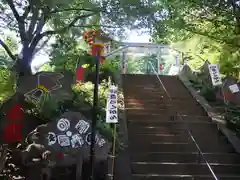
column 138, row 138
column 183, row 168
column 179, row 157
column 145, row 147
column 142, row 116
column 182, row 177
column 148, row 111
column 163, row 133
column 186, row 119
column 157, row 126
column 161, row 147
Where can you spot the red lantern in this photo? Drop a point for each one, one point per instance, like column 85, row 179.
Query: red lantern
column 80, row 74
column 161, row 67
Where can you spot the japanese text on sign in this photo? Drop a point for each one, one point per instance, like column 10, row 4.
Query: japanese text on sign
column 215, row 74
column 111, row 112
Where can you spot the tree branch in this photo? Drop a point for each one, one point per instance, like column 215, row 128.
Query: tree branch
column 38, row 37
column 75, row 9
column 33, row 22
column 26, row 12
column 213, row 37
column 20, row 21
column 89, row 26
column 212, row 20
column 46, row 33
column 15, row 13
column 7, row 50
column 40, row 25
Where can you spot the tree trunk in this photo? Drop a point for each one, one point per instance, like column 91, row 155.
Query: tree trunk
column 23, row 69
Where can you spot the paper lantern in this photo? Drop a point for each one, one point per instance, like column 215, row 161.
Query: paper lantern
column 161, row 67
column 80, row 74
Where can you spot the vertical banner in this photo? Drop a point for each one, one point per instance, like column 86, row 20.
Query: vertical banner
column 215, row 74
column 111, row 109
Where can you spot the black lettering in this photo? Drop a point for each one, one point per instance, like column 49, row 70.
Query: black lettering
column 113, row 117
column 112, row 111
column 112, row 91
column 113, row 101
column 112, row 96
column 113, row 107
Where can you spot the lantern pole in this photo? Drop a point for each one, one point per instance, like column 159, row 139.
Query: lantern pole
column 94, row 113
column 97, row 51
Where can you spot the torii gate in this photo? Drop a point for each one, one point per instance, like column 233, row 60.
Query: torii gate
column 131, row 47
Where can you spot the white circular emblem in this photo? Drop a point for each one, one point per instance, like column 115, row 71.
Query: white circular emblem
column 69, row 133
column 63, row 124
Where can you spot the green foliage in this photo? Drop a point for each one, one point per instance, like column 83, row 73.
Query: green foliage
column 208, row 94
column 7, row 77
column 232, row 116
column 135, row 64
column 84, row 93
column 84, row 98
column 67, row 52
column 202, row 32
column 5, row 60
column 7, row 84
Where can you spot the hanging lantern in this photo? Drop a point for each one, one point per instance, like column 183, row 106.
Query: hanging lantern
column 161, row 67
column 96, row 39
column 80, row 74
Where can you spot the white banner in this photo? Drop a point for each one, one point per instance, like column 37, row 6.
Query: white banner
column 111, row 110
column 215, row 74
column 234, row 88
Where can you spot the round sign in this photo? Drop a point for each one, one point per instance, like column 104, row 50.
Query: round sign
column 69, row 133
column 52, row 139
column 63, row 124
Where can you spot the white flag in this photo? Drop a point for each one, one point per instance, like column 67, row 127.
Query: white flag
column 234, row 88
column 215, row 74
column 111, row 110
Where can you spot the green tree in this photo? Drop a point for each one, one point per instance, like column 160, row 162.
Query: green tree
column 36, row 21
column 7, row 79
column 206, row 30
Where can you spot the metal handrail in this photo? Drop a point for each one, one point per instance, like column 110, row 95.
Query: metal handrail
column 189, row 132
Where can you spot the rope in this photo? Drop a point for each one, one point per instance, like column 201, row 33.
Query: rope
column 190, row 134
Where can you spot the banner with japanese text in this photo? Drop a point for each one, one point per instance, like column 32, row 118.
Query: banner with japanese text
column 215, row 74
column 111, row 109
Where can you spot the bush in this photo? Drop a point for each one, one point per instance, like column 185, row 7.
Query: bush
column 208, row 94
column 232, row 116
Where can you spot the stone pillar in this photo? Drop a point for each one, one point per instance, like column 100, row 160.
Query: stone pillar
column 124, row 62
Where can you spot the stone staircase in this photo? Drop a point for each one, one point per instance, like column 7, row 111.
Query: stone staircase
column 161, row 133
